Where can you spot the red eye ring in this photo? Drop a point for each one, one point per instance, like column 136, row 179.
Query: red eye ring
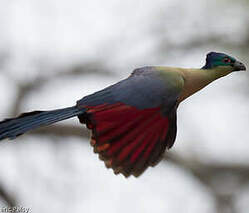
column 227, row 60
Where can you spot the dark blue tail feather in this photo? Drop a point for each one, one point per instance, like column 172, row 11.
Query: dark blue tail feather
column 11, row 128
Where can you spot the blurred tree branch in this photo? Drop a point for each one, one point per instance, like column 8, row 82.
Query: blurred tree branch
column 62, row 131
column 7, row 197
column 222, row 180
column 215, row 177
column 24, row 88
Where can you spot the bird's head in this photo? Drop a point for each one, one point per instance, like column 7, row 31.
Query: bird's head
column 223, row 63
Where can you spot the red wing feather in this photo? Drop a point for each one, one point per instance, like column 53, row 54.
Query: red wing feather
column 128, row 139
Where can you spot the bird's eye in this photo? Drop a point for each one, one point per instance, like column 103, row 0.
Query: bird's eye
column 227, row 60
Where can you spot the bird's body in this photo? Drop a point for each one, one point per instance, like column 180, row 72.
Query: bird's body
column 134, row 120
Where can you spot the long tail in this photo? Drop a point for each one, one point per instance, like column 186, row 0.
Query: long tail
column 13, row 127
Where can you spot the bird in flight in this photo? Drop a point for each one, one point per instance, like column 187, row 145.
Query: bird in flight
column 133, row 121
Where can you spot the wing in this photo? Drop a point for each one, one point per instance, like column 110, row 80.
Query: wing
column 133, row 121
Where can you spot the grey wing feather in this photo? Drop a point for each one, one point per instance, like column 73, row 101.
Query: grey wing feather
column 143, row 89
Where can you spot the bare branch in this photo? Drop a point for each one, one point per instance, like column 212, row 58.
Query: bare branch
column 6, row 197
column 205, row 172
column 62, row 131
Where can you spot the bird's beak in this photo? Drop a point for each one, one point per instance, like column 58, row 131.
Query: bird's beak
column 238, row 66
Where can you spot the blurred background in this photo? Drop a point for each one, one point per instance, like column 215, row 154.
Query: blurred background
column 54, row 52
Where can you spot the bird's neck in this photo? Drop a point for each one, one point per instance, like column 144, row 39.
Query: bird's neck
column 196, row 79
